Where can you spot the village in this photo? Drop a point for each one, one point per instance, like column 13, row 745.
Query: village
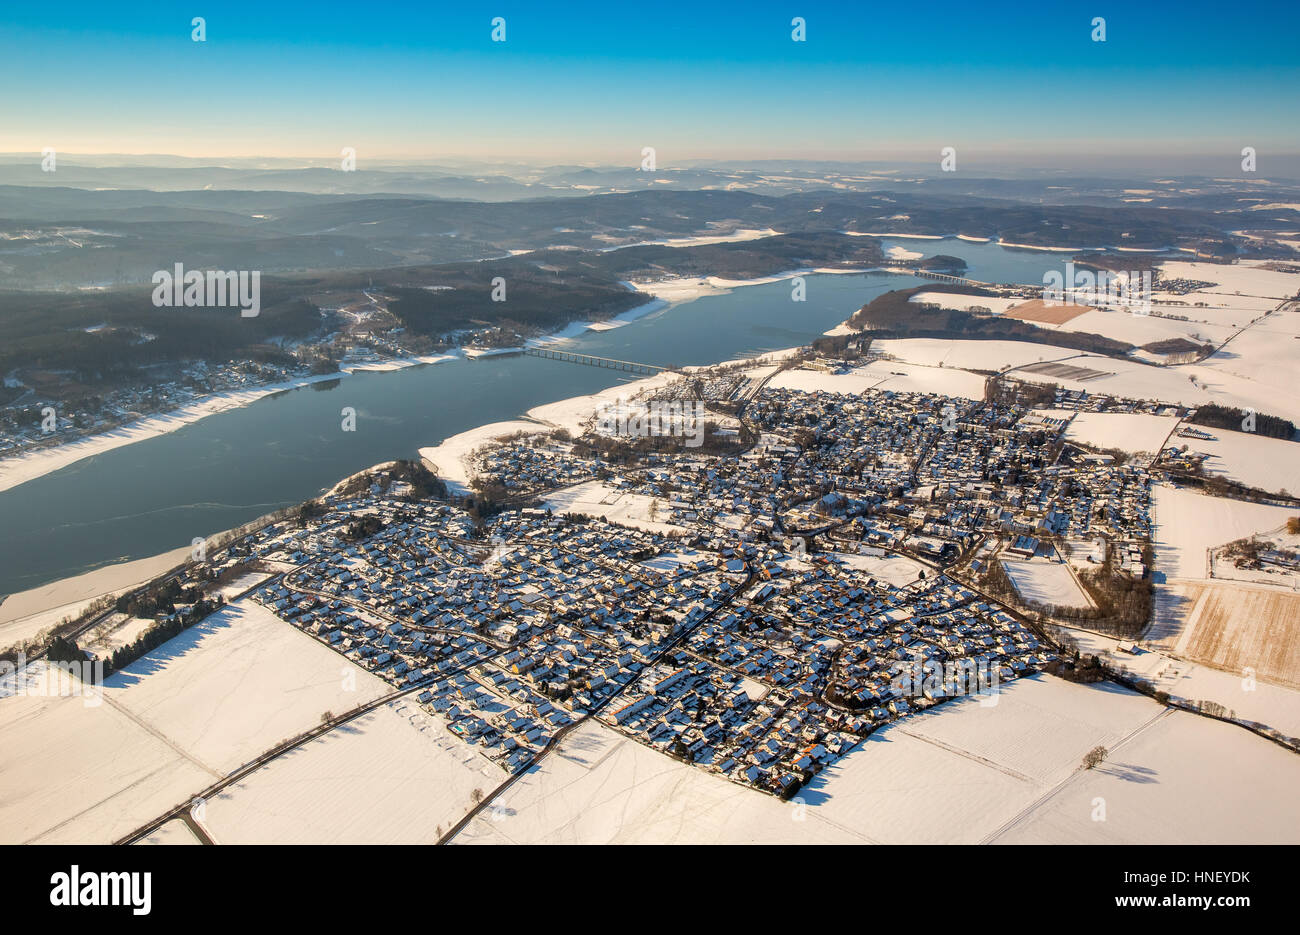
column 774, row 605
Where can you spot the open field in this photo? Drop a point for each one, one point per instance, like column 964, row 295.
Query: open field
column 169, row 725
column 1183, row 780
column 960, row 773
column 884, row 375
column 74, row 773
column 236, row 684
column 963, row 301
column 896, row 570
column 1044, row 582
column 392, row 776
column 1128, row 431
column 1261, row 702
column 971, row 354
column 1271, row 464
column 592, row 498
column 1240, row 626
column 1187, row 523
column 1069, row 370
column 1036, row 310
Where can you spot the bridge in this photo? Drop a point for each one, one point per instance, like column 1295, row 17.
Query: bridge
column 947, row 277
column 628, row 366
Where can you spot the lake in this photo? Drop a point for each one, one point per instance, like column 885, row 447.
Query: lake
column 219, row 472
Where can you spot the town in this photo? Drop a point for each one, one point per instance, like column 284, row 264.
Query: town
column 792, row 587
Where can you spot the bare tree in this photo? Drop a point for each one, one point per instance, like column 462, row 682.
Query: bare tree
column 1094, row 757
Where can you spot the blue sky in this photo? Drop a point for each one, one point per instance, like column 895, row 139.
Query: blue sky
column 595, row 82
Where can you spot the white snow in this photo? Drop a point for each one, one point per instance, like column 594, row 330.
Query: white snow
column 1186, row 524
column 392, row 776
column 1045, row 582
column 961, row 773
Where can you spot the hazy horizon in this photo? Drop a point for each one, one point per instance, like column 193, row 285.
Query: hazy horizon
column 593, row 85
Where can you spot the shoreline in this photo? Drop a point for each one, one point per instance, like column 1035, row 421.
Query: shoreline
column 24, row 613
column 30, row 465
column 446, row 458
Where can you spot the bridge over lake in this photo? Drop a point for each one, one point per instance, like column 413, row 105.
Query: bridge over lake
column 589, row 360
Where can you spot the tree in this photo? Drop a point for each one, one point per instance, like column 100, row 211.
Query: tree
column 1094, row 757
column 63, row 649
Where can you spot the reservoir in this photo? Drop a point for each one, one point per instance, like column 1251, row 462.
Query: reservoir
column 158, row 494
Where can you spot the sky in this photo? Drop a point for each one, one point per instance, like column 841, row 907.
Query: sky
column 583, row 82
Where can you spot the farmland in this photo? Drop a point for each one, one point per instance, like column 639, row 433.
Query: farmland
column 1238, row 627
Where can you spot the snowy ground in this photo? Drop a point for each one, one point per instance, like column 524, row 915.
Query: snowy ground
column 1271, row 464
column 961, row 773
column 393, row 776
column 596, row 499
column 1128, row 431
column 884, row 375
column 169, row 725
column 1045, row 582
column 1183, row 780
column 78, row 774
column 963, row 302
column 897, row 570
column 1188, row 523
column 976, row 355
column 236, row 684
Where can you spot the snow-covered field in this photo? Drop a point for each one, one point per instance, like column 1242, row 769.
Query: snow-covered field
column 1188, row 523
column 236, row 684
column 974, row 355
column 1183, row 780
column 1272, row 464
column 392, row 776
column 601, row 787
column 1190, row 384
column 961, row 773
column 1272, row 705
column 1122, row 325
column 1044, row 582
column 169, row 725
column 897, row 570
column 884, row 375
column 963, row 302
column 1128, row 431
column 593, row 498
column 78, row 774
